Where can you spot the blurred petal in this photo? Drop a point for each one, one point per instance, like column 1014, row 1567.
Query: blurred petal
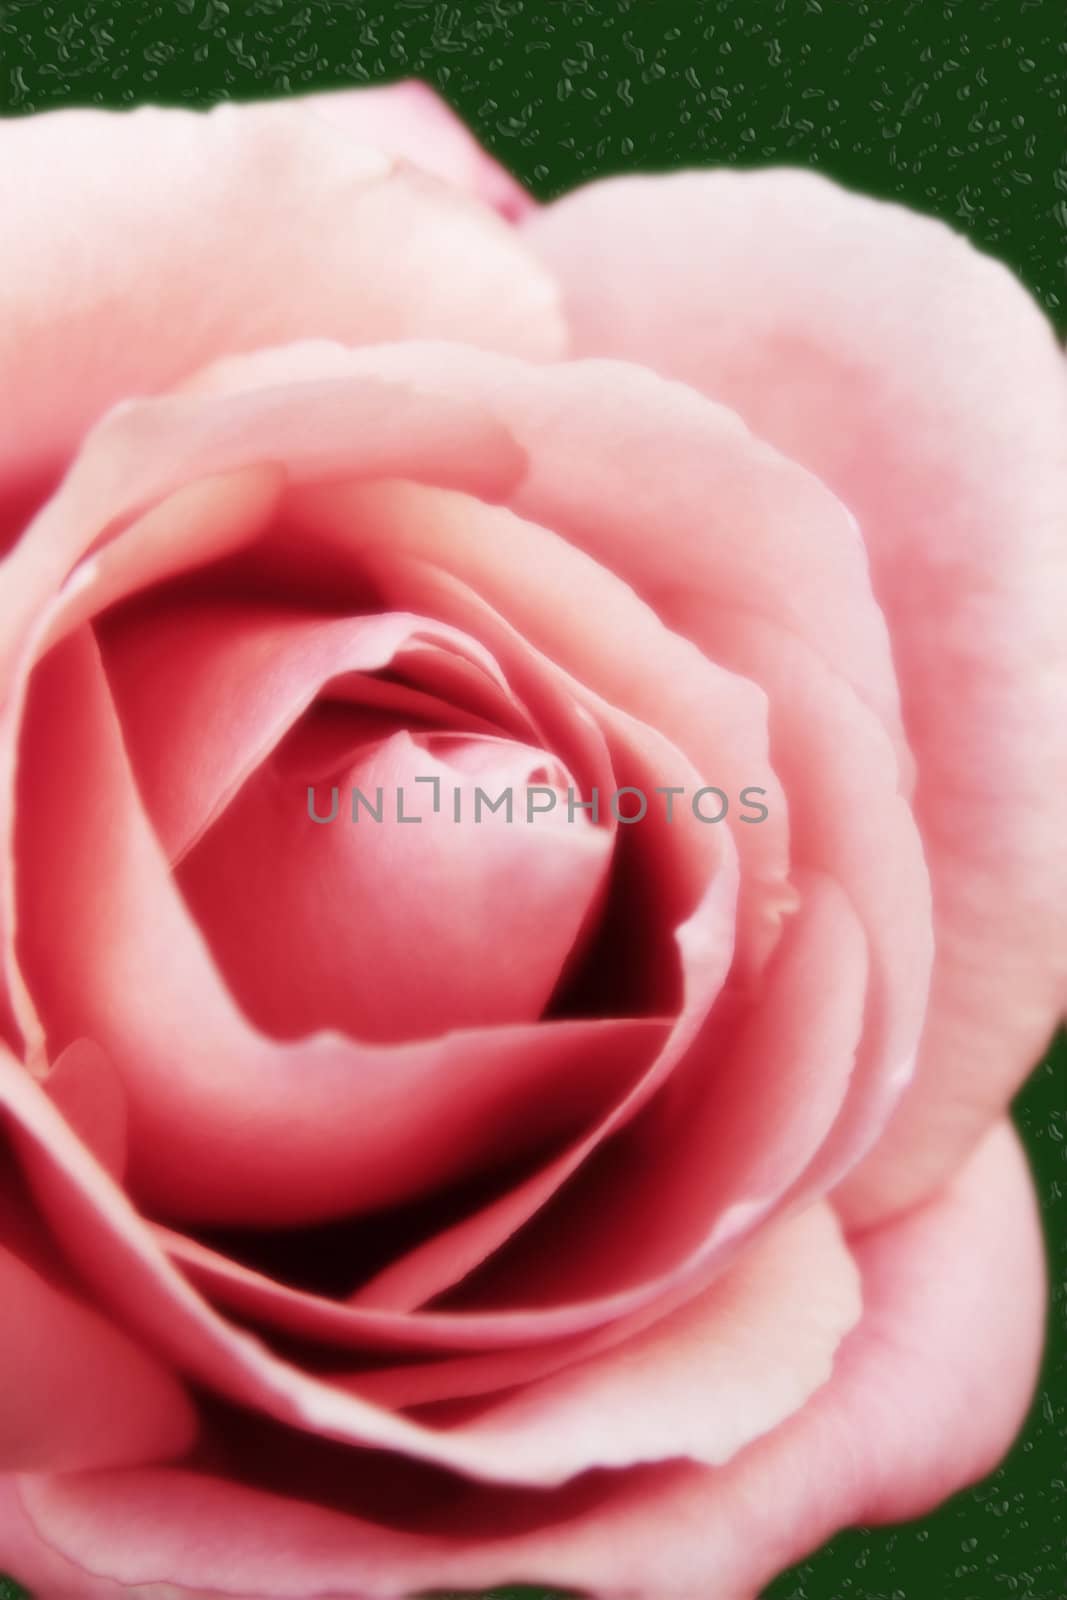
column 674, row 495
column 299, row 413
column 923, row 385
column 721, row 1369
column 113, row 1246
column 458, row 924
column 211, row 461
column 222, row 249
column 679, row 1191
column 483, row 567
column 207, row 1092
column 850, row 822
column 694, row 880
column 205, row 693
column 408, row 119
column 206, row 690
column 926, row 1395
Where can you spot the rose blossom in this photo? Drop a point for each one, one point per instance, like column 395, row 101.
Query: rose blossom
column 617, row 1208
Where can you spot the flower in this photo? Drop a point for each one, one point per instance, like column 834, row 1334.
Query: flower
column 454, row 1198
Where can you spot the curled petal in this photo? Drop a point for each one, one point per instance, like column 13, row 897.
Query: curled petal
column 917, row 1407
column 408, row 119
column 922, row 384
column 208, row 204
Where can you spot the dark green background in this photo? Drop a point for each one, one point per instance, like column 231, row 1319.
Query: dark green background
column 957, row 107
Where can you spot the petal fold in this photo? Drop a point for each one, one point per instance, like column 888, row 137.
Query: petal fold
column 917, row 1407
column 923, row 385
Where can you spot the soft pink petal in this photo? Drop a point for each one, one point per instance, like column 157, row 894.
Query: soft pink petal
column 408, row 119
column 112, row 1246
column 205, row 691
column 756, row 1346
column 818, row 639
column 202, row 521
column 712, row 1375
column 313, row 426
column 124, row 1258
column 399, row 929
column 230, row 423
column 197, row 1134
column 713, row 517
column 345, row 1125
column 926, row 1395
column 330, row 537
column 921, row 382
column 223, row 248
column 680, row 1190
column 674, row 494
column 152, row 454
column 516, row 1342
column 206, row 688
column 682, row 858
column 115, row 1248
column 585, row 620
column 850, row 822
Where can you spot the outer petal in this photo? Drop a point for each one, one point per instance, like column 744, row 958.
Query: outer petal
column 139, row 245
column 75, row 1392
column 920, row 382
column 408, row 119
column 705, row 1380
column 23, row 1551
column 151, row 453
column 918, row 1406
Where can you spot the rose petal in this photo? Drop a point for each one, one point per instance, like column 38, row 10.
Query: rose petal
column 328, row 533
column 75, row 1391
column 122, row 1257
column 323, row 428
column 25, row 1552
column 205, row 690
column 682, row 858
column 140, row 982
column 408, row 119
column 850, row 822
column 146, row 452
column 922, row 383
column 421, row 544
column 917, row 1407
column 712, row 1375
column 208, row 204
column 675, row 1194
column 85, row 1086
column 628, row 467
column 353, row 925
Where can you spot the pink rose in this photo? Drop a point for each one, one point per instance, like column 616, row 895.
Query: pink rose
column 622, row 1205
